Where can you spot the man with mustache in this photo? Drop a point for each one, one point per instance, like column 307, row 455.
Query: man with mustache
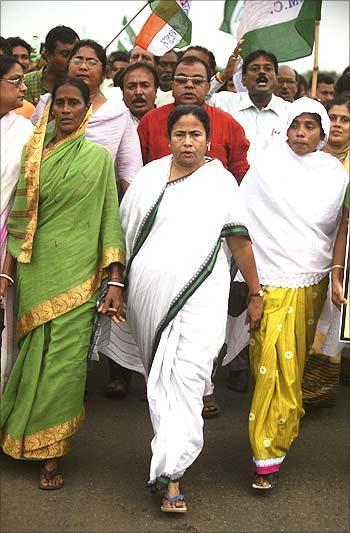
column 263, row 117
column 259, row 111
column 190, row 85
column 139, row 83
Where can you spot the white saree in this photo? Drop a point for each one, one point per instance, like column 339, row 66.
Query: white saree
column 15, row 131
column 177, row 292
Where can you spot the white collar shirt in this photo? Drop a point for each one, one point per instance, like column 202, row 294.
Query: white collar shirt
column 261, row 126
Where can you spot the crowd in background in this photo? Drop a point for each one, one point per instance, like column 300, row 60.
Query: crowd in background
column 131, row 104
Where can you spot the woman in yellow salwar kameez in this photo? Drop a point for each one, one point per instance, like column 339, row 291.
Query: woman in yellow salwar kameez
column 64, row 236
column 294, row 195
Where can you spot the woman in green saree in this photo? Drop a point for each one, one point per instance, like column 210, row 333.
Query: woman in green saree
column 64, row 237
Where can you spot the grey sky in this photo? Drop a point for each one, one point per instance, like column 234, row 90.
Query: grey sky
column 101, row 21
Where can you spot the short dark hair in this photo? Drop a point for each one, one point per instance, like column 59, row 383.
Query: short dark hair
column 323, row 78
column 190, row 60
column 17, row 41
column 196, row 110
column 6, row 63
column 64, row 34
column 74, row 82
column 337, row 101
column 5, row 47
column 119, row 56
column 302, row 82
column 346, row 70
column 100, row 51
column 258, row 53
column 136, row 66
column 343, row 84
column 159, row 58
column 209, row 53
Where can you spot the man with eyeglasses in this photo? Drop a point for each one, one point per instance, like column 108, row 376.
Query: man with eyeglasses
column 287, row 83
column 59, row 43
column 190, row 85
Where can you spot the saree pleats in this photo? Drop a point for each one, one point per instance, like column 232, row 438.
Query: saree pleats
column 42, row 405
column 277, row 355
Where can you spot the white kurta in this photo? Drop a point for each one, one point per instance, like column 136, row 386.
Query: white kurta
column 177, row 295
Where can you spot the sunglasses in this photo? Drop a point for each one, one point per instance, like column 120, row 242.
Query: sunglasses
column 182, row 80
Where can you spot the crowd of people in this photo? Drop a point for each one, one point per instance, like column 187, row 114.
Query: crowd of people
column 151, row 207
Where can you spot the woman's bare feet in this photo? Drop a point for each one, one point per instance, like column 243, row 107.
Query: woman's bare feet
column 50, row 477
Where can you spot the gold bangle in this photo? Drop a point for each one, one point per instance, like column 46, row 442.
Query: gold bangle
column 338, row 266
column 219, row 78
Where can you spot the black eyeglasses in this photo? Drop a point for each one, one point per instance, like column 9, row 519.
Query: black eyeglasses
column 196, row 80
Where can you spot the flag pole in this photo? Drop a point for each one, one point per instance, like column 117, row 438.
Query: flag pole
column 127, row 24
column 315, row 69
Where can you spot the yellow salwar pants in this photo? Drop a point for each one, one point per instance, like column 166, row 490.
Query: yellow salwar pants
column 277, row 357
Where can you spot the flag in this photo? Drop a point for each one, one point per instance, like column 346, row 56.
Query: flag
column 127, row 38
column 167, row 27
column 284, row 27
column 232, row 14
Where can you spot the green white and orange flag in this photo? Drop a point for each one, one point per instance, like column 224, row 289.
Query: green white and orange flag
column 284, row 27
column 167, row 27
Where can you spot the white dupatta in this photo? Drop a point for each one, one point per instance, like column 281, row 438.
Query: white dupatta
column 294, row 206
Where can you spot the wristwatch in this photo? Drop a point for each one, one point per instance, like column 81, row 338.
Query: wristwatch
column 259, row 293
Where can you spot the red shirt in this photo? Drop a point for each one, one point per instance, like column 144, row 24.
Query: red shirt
column 227, row 140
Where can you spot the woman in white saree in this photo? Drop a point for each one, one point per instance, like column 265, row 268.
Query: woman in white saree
column 175, row 215
column 15, row 131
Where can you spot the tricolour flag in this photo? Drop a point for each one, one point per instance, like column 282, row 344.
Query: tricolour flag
column 167, row 27
column 284, row 27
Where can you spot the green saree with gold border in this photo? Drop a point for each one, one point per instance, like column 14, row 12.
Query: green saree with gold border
column 64, row 231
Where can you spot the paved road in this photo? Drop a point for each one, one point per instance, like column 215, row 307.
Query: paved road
column 107, row 467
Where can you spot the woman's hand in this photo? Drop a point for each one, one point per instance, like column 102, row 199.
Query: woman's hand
column 254, row 312
column 4, row 284
column 337, row 288
column 113, row 304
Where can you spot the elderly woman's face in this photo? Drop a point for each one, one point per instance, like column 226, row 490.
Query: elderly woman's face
column 304, row 134
column 68, row 109
column 188, row 141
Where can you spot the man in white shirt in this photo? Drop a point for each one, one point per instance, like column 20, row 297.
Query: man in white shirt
column 139, row 83
column 262, row 114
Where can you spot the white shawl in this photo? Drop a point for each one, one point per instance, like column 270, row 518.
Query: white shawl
column 294, row 207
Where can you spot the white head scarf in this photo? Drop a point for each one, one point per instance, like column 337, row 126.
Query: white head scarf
column 309, row 105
